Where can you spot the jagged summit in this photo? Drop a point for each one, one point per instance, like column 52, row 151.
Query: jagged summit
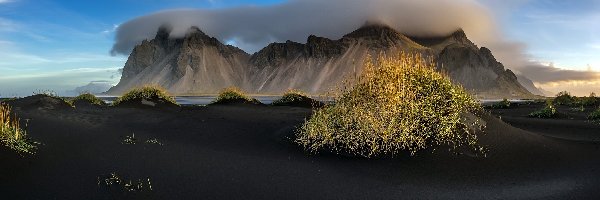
column 163, row 32
column 373, row 30
column 201, row 64
column 438, row 43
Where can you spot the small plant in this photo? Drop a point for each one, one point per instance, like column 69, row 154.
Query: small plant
column 89, row 98
column 296, row 98
column 49, row 93
column 52, row 94
column 11, row 134
column 587, row 101
column 154, row 141
column 145, row 93
column 578, row 109
column 564, row 98
column 129, row 139
column 504, row 104
column 114, row 180
column 595, row 116
column 398, row 104
column 547, row 112
column 233, row 95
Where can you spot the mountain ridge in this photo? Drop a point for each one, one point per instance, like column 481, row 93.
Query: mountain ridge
column 200, row 64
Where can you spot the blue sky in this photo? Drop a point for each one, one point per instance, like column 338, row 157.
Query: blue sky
column 61, row 44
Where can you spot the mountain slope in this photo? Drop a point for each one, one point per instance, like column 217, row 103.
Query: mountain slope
column 199, row 64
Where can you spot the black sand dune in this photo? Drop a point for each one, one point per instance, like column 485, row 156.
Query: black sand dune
column 245, row 152
column 571, row 124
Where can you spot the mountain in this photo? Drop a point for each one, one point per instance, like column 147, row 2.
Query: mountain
column 528, row 83
column 195, row 64
column 94, row 87
column 200, row 64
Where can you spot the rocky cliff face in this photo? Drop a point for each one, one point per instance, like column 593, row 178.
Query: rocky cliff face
column 196, row 64
column 199, row 64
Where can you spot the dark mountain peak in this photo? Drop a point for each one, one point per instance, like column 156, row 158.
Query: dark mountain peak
column 163, row 32
column 373, row 30
column 195, row 31
column 457, row 37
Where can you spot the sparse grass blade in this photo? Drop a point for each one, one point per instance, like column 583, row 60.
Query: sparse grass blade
column 11, row 133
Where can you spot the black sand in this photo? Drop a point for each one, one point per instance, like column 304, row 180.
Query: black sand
column 246, row 152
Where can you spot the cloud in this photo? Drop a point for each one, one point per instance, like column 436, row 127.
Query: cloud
column 253, row 27
column 58, row 81
column 5, row 1
column 297, row 19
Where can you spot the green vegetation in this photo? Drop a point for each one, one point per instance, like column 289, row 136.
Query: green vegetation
column 49, row 93
column 11, row 134
column 398, row 104
column 504, row 104
column 233, row 95
column 147, row 93
column 89, row 98
column 296, row 98
column 129, row 139
column 53, row 94
column 564, row 98
column 547, row 112
column 154, row 141
column 591, row 100
column 595, row 115
column 114, row 180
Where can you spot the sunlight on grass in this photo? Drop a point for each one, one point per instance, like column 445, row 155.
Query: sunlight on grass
column 233, row 95
column 11, row 134
column 89, row 98
column 296, row 98
column 145, row 93
column 547, row 112
column 398, row 104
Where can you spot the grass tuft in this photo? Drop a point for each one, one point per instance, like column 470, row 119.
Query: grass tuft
column 11, row 134
column 233, row 95
column 113, row 180
column 145, row 93
column 89, row 98
column 504, row 104
column 595, row 115
column 547, row 112
column 296, row 98
column 398, row 104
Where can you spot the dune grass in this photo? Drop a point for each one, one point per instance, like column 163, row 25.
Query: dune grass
column 89, row 98
column 399, row 104
column 11, row 133
column 504, row 104
column 547, row 112
column 53, row 94
column 146, row 92
column 233, row 95
column 595, row 115
column 295, row 97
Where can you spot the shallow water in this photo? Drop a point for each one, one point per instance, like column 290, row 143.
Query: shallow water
column 199, row 100
column 205, row 100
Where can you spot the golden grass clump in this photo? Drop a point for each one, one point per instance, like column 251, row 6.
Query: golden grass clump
column 145, row 92
column 398, row 104
column 296, row 98
column 89, row 98
column 233, row 95
column 11, row 134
